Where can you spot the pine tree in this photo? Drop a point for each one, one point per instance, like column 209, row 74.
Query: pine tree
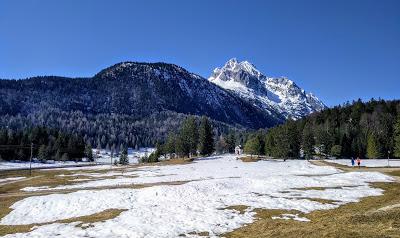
column 336, row 151
column 89, row 152
column 123, row 158
column 230, row 142
column 169, row 147
column 396, row 139
column 43, row 154
column 188, row 137
column 58, row 155
column 373, row 151
column 253, row 146
column 282, row 149
column 308, row 142
column 220, row 145
column 293, row 136
column 206, row 137
column 269, row 144
column 322, row 140
column 65, row 157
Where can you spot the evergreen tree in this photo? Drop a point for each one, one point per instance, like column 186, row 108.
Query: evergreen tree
column 58, row 155
column 206, row 137
column 230, row 142
column 293, row 136
column 253, row 146
column 169, row 147
column 221, row 145
column 269, row 144
column 65, row 157
column 396, row 151
column 89, row 152
column 282, row 148
column 188, row 137
column 123, row 158
column 307, row 142
column 373, row 150
column 43, row 154
column 336, row 151
column 322, row 140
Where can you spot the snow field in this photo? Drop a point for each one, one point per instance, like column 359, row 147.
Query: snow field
column 213, row 184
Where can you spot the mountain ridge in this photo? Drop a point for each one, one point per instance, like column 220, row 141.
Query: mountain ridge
column 280, row 95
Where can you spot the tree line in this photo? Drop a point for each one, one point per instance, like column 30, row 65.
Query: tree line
column 366, row 130
column 106, row 131
column 194, row 137
column 46, row 143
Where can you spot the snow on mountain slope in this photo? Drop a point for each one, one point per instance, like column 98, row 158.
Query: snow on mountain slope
column 274, row 95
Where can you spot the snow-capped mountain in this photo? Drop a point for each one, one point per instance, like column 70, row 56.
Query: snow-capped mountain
column 273, row 95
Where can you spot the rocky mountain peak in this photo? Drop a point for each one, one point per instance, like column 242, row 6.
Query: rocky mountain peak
column 279, row 95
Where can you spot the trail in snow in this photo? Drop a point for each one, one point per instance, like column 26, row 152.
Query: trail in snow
column 373, row 163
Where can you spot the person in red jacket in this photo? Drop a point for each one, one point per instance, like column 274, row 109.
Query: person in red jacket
column 358, row 162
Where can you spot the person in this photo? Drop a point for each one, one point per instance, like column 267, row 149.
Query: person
column 352, row 161
column 358, row 162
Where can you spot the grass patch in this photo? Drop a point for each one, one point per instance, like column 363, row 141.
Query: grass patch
column 240, row 208
column 394, row 173
column 40, row 178
column 97, row 217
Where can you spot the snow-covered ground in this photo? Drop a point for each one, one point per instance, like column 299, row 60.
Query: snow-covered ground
column 104, row 156
column 213, row 184
column 25, row 165
column 369, row 162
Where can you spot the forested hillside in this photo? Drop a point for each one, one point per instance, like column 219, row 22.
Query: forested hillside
column 128, row 104
column 368, row 130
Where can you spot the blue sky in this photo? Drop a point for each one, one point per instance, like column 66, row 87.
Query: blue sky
column 339, row 50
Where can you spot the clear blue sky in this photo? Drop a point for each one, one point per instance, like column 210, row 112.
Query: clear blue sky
column 340, row 50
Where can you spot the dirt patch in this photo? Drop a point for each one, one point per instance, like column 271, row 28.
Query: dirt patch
column 204, row 233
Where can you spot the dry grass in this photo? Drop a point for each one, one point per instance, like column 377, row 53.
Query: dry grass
column 101, row 216
column 249, row 158
column 176, row 161
column 240, row 208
